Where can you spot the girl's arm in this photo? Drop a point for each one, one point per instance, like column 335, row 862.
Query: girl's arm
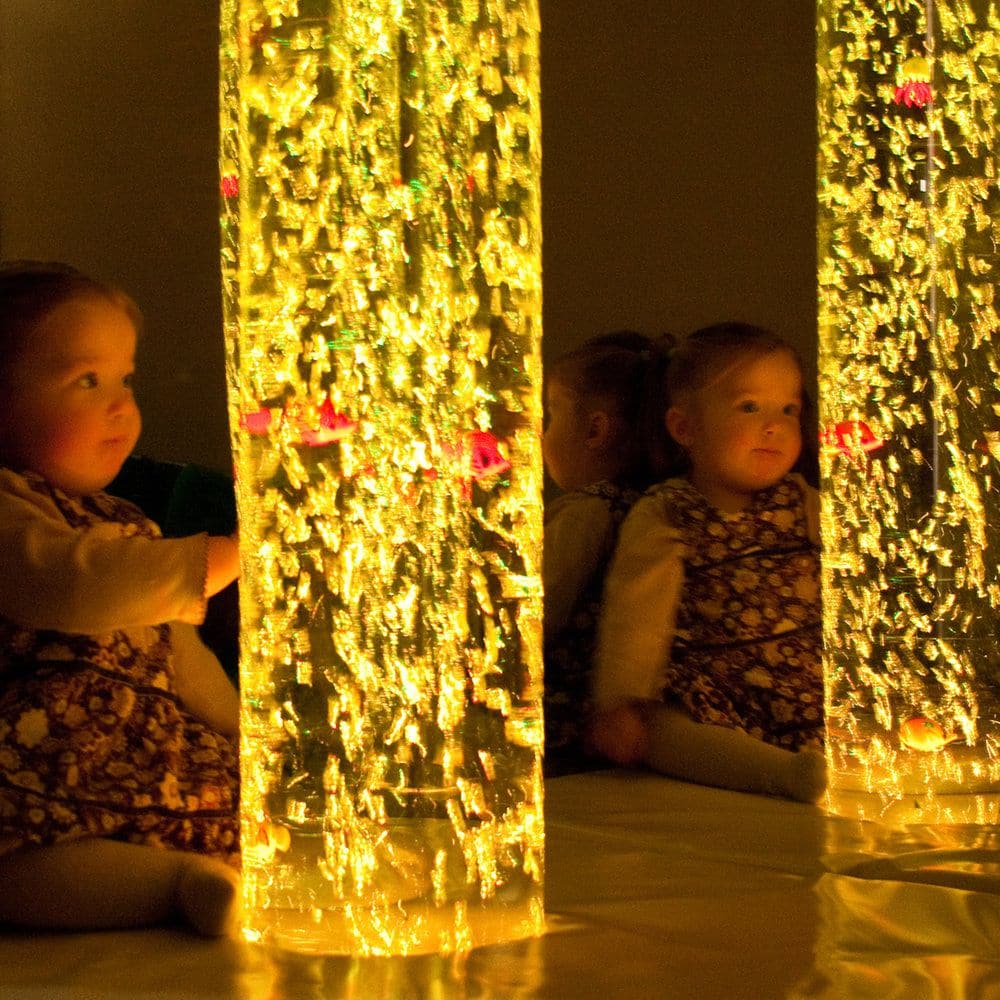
column 96, row 580
column 639, row 609
column 577, row 530
column 638, row 613
column 223, row 562
column 202, row 684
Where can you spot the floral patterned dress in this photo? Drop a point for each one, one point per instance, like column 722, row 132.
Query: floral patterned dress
column 746, row 651
column 94, row 741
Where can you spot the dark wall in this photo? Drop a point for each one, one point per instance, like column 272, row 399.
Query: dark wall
column 679, row 165
column 678, row 182
column 108, row 160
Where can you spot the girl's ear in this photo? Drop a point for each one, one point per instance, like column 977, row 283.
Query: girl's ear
column 598, row 429
column 680, row 426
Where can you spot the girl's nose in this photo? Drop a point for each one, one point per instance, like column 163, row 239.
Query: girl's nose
column 778, row 422
column 122, row 402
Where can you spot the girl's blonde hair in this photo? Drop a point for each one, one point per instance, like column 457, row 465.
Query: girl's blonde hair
column 706, row 355
column 31, row 289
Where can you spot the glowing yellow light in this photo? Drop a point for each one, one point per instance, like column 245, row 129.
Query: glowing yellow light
column 908, row 211
column 381, row 270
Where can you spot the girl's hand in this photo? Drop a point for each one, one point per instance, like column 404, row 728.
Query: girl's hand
column 621, row 735
column 223, row 562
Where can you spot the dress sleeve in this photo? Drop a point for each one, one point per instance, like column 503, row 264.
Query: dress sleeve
column 639, row 611
column 92, row 580
column 577, row 538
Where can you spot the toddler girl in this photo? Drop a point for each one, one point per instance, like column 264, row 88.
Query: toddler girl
column 601, row 449
column 118, row 777
column 708, row 666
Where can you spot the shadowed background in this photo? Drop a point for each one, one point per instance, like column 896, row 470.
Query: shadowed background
column 678, row 180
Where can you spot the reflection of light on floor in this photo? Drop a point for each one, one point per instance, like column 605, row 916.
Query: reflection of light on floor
column 514, row 971
column 902, row 939
column 974, row 870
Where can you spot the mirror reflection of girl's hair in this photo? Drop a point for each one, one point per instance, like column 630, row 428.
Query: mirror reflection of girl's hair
column 622, row 373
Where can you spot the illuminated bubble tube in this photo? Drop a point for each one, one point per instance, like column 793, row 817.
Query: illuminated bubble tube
column 381, row 270
column 908, row 98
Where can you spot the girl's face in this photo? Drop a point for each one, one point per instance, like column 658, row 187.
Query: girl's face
column 70, row 413
column 564, row 443
column 743, row 432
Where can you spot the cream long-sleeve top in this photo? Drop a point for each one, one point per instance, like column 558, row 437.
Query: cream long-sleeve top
column 579, row 535
column 95, row 578
column 642, row 594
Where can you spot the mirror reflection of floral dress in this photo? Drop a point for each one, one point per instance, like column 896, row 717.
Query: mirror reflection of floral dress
column 94, row 740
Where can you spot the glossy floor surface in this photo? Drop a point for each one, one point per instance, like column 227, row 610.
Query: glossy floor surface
column 654, row 888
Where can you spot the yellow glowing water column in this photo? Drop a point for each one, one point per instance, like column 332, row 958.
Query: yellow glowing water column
column 381, row 268
column 909, row 133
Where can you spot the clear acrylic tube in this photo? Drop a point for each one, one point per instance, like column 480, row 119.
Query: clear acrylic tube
column 908, row 209
column 381, row 256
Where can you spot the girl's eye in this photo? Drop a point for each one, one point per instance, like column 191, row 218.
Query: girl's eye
column 793, row 410
column 129, row 380
column 88, row 381
column 748, row 406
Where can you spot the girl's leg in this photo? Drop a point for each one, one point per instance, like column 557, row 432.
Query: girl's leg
column 95, row 884
column 728, row 758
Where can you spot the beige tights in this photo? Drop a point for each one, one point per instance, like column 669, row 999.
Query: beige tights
column 95, row 884
column 729, row 758
column 665, row 739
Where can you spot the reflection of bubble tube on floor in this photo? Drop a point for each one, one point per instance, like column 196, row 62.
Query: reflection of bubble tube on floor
column 381, row 274
column 909, row 123
column 915, row 936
